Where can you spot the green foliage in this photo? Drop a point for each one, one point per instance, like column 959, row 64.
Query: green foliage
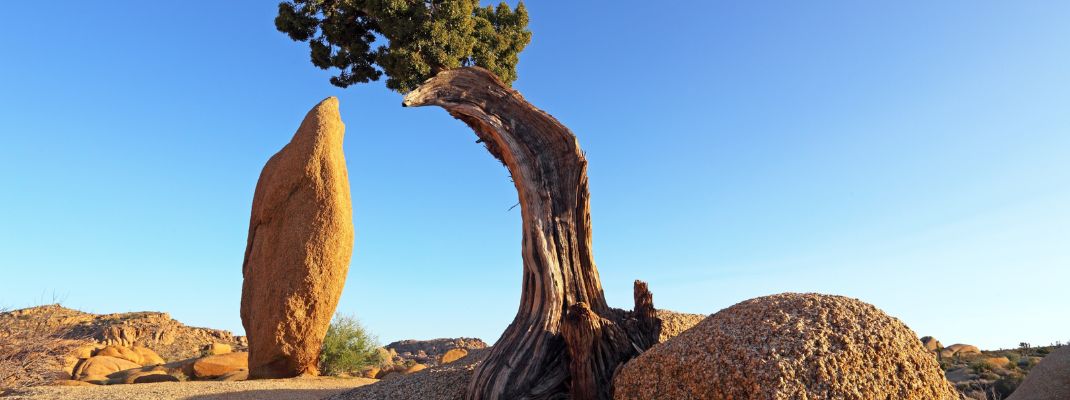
column 422, row 37
column 1012, row 356
column 347, row 347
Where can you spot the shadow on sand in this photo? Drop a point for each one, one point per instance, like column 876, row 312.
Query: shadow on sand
column 271, row 394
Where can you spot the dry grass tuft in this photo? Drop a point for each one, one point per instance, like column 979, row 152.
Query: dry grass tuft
column 33, row 351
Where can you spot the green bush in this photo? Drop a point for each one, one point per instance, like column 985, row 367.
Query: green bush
column 1013, row 357
column 348, row 347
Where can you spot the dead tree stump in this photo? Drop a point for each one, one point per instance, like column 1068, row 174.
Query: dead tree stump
column 564, row 341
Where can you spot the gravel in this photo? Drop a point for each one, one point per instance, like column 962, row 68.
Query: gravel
column 268, row 389
column 443, row 382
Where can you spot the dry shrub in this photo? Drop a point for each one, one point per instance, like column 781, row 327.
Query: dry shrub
column 33, row 348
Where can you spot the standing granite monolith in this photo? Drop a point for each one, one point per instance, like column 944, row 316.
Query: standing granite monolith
column 300, row 243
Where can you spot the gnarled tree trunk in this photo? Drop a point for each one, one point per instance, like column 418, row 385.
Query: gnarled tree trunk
column 565, row 341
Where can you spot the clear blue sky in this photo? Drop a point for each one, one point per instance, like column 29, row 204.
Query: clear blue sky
column 915, row 155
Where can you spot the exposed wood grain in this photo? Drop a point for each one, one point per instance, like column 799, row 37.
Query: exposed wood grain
column 531, row 359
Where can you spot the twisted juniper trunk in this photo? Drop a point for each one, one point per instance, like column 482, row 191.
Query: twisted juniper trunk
column 563, row 327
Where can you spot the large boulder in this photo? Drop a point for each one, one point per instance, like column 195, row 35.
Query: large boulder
column 132, row 375
column 931, row 343
column 789, row 346
column 183, row 367
column 1049, row 380
column 122, row 352
column 148, row 357
column 962, row 349
column 215, row 349
column 220, row 365
column 234, row 376
column 674, row 323
column 300, row 242
column 101, row 366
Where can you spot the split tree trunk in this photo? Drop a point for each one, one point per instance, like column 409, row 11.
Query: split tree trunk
column 565, row 341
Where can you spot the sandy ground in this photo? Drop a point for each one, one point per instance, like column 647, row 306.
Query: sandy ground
column 296, row 389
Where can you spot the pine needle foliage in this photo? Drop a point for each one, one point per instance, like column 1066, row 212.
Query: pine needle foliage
column 409, row 41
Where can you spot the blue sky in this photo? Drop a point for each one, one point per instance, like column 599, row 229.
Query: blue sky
column 915, row 155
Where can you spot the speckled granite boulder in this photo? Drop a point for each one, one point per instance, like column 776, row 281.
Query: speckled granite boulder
column 789, row 346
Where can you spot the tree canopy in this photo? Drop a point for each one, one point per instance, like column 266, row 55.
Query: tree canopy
column 409, row 41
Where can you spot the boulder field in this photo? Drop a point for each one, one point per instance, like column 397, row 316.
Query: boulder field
column 113, row 365
column 299, row 246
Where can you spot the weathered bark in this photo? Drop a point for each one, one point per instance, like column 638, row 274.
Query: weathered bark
column 531, row 359
column 597, row 348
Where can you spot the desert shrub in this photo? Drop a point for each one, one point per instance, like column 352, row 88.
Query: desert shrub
column 33, row 350
column 1006, row 385
column 348, row 347
column 1013, row 357
column 946, row 364
column 980, row 366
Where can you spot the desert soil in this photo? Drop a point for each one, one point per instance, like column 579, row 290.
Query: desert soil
column 267, row 389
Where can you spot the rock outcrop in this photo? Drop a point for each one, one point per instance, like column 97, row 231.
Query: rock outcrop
column 1049, row 380
column 156, row 331
column 300, row 243
column 788, row 346
column 430, row 352
column 452, row 355
column 931, row 343
column 959, row 349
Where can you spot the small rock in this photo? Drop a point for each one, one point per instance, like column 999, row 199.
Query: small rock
column 370, row 372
